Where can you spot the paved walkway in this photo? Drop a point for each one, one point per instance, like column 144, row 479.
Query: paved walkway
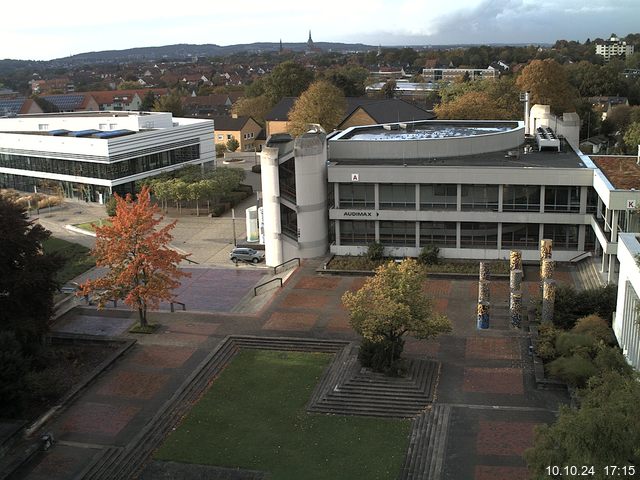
column 486, row 380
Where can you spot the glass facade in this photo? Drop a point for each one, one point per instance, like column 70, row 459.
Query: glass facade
column 562, row 199
column 565, row 237
column 478, row 235
column 438, row 197
column 357, row 195
column 398, row 234
column 287, row 178
column 106, row 171
column 289, row 222
column 521, row 198
column 440, row 234
column 521, row 235
column 480, row 197
column 353, row 232
column 397, row 196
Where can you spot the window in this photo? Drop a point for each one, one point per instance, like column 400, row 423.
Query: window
column 287, row 173
column 480, row 197
column 357, row 232
column 43, row 127
column 220, row 136
column 523, row 235
column 440, row 234
column 521, row 198
column 565, row 237
column 397, row 196
column 592, row 200
column 289, row 222
column 561, row 199
column 356, row 195
column 229, row 136
column 478, row 235
column 251, row 135
column 102, row 126
column 400, row 234
column 438, row 197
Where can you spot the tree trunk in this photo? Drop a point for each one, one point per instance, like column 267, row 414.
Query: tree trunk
column 197, row 208
column 142, row 312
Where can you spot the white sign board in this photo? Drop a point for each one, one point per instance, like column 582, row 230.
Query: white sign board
column 355, row 177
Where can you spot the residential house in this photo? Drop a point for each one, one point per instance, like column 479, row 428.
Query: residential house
column 17, row 106
column 73, row 102
column 244, row 129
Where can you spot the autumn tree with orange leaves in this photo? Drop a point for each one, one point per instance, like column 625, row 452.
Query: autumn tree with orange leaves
column 142, row 269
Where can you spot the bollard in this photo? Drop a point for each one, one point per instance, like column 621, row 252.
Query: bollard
column 548, row 300
column 515, row 260
column 483, row 315
column 515, row 308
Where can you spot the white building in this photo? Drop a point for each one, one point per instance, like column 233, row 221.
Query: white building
column 625, row 324
column 613, row 47
column 89, row 155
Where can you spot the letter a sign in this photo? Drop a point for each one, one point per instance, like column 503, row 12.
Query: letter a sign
column 355, row 177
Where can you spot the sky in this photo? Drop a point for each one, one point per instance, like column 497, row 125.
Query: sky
column 44, row 30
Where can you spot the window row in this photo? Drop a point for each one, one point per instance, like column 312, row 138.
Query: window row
column 516, row 198
column 444, row 234
column 108, row 171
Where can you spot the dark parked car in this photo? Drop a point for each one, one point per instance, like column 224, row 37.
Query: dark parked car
column 246, row 254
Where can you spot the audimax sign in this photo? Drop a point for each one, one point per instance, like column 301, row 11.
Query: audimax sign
column 359, row 213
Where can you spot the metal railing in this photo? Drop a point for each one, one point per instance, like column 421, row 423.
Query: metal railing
column 582, row 256
column 285, row 263
column 171, row 305
column 255, row 289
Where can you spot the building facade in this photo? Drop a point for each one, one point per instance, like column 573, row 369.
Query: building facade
column 451, row 74
column 90, row 155
column 614, row 47
column 625, row 323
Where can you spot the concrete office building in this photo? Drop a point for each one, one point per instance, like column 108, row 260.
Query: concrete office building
column 90, row 155
column 475, row 189
column 625, row 323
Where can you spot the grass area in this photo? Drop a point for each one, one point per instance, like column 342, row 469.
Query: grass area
column 347, row 262
column 77, row 258
column 91, row 226
column 148, row 329
column 253, row 417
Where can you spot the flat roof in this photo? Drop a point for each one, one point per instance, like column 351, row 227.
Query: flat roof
column 622, row 171
column 567, row 158
column 429, row 129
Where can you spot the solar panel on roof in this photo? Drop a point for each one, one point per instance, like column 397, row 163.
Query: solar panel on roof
column 113, row 133
column 83, row 133
column 59, row 132
column 65, row 102
column 11, row 106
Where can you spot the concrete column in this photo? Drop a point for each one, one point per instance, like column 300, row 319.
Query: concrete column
column 336, row 231
column 377, row 231
column 499, row 236
column 484, row 271
column 605, row 260
column 458, row 241
column 515, row 280
column 611, row 277
column 583, row 199
column 483, row 315
column 271, row 205
column 417, row 196
column 336, row 195
column 614, row 225
column 548, row 267
column 548, row 300
column 582, row 235
column 500, row 197
column 546, row 249
column 459, row 198
column 598, row 214
column 515, row 260
column 484, row 291
column 542, row 193
column 515, row 308
column 417, row 243
column 376, row 197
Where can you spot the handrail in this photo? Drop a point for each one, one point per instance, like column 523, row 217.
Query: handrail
column 255, row 289
column 577, row 258
column 184, row 308
column 191, row 261
column 284, row 263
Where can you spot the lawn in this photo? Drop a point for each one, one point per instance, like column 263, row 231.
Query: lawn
column 77, row 258
column 91, row 226
column 254, row 417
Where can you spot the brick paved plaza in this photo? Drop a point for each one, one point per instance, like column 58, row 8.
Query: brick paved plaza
column 486, row 376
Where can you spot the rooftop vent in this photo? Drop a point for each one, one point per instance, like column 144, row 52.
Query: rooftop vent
column 545, row 138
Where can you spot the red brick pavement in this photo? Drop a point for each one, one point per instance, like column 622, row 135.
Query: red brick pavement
column 488, row 472
column 493, row 380
column 194, row 328
column 161, row 356
column 128, row 384
column 98, row 418
column 339, row 322
column 492, row 348
column 504, row 438
column 437, row 288
column 291, row 321
column 427, row 348
column 297, row 299
column 318, row 283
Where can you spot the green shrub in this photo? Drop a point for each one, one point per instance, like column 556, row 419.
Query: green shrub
column 571, row 305
column 375, row 251
column 596, row 327
column 235, row 197
column 574, row 370
column 110, row 206
column 546, row 344
column 220, row 149
column 611, row 359
column 47, row 384
column 568, row 343
column 383, row 356
column 244, row 188
column 13, row 369
column 218, row 209
column 429, row 255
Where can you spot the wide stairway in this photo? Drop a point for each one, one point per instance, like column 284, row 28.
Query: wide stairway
column 587, row 275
